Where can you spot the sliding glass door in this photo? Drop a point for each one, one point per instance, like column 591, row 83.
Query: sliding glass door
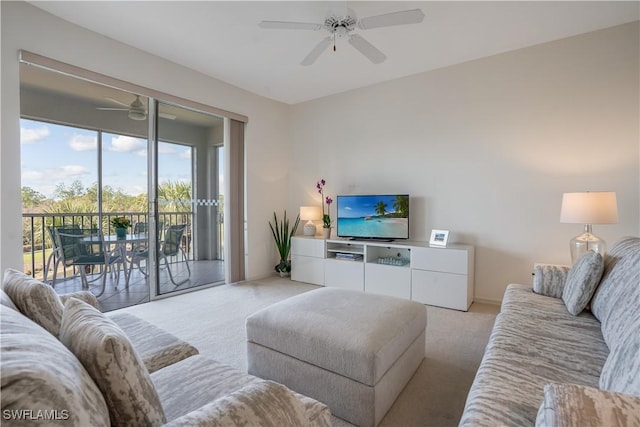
column 189, row 201
column 91, row 153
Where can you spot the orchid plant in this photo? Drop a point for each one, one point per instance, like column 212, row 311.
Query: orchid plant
column 326, row 219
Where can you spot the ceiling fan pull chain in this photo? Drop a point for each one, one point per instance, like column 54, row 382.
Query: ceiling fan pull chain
column 334, row 42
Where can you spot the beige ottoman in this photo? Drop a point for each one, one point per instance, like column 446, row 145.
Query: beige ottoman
column 351, row 350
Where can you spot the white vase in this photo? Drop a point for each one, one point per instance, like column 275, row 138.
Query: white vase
column 326, row 232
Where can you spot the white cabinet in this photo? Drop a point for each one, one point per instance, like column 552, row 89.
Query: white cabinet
column 411, row 270
column 443, row 276
column 307, row 260
column 344, row 274
column 388, row 280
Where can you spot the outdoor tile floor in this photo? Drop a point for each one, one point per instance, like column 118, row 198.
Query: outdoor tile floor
column 202, row 273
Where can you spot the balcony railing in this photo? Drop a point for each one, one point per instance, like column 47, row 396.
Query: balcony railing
column 37, row 245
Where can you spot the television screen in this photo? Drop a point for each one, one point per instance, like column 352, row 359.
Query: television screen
column 373, row 216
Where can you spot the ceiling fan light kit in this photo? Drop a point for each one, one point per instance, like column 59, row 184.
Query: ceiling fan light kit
column 344, row 26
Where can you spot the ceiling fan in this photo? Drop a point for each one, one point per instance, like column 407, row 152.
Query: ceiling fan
column 135, row 110
column 344, row 26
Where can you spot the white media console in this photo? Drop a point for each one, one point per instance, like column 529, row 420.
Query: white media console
column 411, row 270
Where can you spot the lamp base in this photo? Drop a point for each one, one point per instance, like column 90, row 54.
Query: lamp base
column 309, row 229
column 585, row 242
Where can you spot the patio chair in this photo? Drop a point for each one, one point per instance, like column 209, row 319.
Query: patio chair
column 170, row 246
column 82, row 248
column 56, row 256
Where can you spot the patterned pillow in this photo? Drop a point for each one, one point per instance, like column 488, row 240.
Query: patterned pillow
column 582, row 281
column 36, row 300
column 6, row 301
column 263, row 403
column 40, row 376
column 576, row 405
column 107, row 354
column 621, row 371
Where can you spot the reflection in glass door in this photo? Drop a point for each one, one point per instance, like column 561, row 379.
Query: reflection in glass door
column 188, row 199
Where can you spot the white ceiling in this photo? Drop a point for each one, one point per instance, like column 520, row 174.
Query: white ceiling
column 223, row 40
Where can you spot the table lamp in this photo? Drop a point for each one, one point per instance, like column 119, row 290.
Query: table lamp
column 598, row 207
column 310, row 214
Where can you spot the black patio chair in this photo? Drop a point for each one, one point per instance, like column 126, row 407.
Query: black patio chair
column 87, row 248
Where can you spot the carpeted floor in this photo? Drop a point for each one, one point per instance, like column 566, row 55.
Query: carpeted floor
column 213, row 320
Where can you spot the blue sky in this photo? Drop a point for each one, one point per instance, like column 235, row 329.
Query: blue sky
column 53, row 154
column 359, row 206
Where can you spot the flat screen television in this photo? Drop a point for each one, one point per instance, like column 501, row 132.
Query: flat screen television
column 375, row 216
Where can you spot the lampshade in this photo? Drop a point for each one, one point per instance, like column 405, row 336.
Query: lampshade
column 598, row 207
column 588, row 208
column 310, row 214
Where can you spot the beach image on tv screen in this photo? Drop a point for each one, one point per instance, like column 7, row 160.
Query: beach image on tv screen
column 374, row 216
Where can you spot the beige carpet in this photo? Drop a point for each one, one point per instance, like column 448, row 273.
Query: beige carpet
column 213, row 320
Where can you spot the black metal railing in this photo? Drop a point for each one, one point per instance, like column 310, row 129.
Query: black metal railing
column 37, row 245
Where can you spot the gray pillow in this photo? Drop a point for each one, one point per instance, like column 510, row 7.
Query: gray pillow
column 582, row 281
column 41, row 375
column 107, row 354
column 577, row 405
column 36, row 300
column 264, row 403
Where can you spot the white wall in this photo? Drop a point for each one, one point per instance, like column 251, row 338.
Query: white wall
column 487, row 148
column 26, row 27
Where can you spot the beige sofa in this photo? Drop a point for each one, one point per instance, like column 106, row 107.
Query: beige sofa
column 544, row 365
column 90, row 373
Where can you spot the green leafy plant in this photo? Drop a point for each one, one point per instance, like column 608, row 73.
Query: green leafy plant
column 282, row 235
column 120, row 222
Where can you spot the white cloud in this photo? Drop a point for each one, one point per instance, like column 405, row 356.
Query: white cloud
column 164, row 148
column 186, row 154
column 83, row 143
column 29, row 136
column 127, row 144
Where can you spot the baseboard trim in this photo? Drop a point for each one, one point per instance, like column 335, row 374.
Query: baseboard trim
column 490, row 301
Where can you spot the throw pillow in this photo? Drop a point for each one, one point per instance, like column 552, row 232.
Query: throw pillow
column 6, row 301
column 582, row 281
column 43, row 381
column 577, row 405
column 35, row 299
column 264, row 403
column 107, row 354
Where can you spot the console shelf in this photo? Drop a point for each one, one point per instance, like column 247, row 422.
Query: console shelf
column 411, row 270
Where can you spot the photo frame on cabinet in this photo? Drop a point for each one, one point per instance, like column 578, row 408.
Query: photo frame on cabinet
column 439, row 238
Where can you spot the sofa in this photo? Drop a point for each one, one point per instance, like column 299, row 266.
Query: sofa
column 567, row 350
column 90, row 373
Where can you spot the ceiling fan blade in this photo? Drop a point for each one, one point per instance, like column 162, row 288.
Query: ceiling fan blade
column 367, row 49
column 286, row 25
column 116, row 101
column 112, row 109
column 317, row 51
column 167, row 116
column 413, row 16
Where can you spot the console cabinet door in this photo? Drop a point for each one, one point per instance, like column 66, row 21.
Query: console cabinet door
column 307, row 269
column 344, row 274
column 447, row 290
column 439, row 259
column 387, row 280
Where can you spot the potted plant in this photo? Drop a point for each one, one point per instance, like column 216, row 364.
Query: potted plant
column 326, row 218
column 282, row 236
column 120, row 223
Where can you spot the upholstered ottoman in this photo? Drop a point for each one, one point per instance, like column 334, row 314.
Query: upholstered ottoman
column 352, row 351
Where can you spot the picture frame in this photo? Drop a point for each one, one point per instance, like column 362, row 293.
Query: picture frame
column 439, row 238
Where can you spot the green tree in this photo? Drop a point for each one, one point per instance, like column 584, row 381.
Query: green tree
column 401, row 206
column 76, row 189
column 31, row 198
column 381, row 208
column 174, row 196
